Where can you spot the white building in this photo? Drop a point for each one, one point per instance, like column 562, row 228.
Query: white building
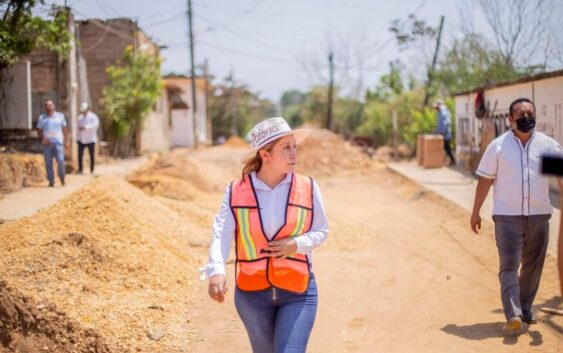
column 474, row 134
column 181, row 117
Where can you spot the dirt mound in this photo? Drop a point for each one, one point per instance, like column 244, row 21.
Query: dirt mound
column 111, row 258
column 171, row 175
column 20, row 170
column 386, row 153
column 324, row 153
column 235, row 142
column 28, row 327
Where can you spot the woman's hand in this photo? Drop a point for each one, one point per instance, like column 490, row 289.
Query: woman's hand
column 218, row 288
column 282, row 248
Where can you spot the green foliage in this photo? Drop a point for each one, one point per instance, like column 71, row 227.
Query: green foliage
column 315, row 107
column 134, row 88
column 410, row 30
column 291, row 107
column 21, row 31
column 378, row 121
column 348, row 115
column 470, row 63
column 249, row 109
column 390, row 83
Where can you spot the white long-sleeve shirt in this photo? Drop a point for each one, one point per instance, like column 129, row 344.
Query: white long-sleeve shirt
column 90, row 122
column 272, row 209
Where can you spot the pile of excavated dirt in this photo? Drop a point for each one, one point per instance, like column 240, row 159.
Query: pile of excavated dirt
column 19, row 170
column 171, row 175
column 111, row 258
column 325, row 153
column 235, row 142
column 386, row 153
column 28, row 327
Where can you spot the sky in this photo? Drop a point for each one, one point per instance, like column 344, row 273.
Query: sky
column 276, row 45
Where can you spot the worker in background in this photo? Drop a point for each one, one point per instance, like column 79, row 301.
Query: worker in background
column 53, row 134
column 88, row 124
column 444, row 127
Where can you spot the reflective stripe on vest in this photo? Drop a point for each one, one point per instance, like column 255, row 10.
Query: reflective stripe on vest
column 255, row 270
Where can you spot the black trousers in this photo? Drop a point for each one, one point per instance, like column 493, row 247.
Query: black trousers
column 448, row 149
column 81, row 147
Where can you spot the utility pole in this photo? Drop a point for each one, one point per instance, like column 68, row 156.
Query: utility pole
column 234, row 113
column 395, row 135
column 194, row 95
column 206, row 111
column 330, row 91
column 70, row 103
column 431, row 72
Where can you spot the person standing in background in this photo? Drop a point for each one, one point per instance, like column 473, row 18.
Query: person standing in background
column 88, row 124
column 444, row 127
column 53, row 134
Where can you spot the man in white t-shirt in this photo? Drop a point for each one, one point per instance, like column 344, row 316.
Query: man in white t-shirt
column 88, row 124
column 521, row 209
column 53, row 134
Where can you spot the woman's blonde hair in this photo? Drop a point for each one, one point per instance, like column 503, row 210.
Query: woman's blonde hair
column 255, row 164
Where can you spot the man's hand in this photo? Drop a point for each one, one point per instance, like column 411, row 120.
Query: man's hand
column 45, row 141
column 475, row 223
column 81, row 128
column 217, row 288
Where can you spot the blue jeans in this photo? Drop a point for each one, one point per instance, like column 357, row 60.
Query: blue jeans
column 280, row 325
column 57, row 151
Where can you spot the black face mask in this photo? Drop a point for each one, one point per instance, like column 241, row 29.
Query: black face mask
column 526, row 124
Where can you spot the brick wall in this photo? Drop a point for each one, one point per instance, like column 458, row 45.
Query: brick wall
column 102, row 44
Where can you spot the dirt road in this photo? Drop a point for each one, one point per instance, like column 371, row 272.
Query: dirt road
column 111, row 268
column 401, row 272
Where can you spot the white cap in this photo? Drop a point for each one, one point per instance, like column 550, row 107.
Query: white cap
column 83, row 107
column 270, row 130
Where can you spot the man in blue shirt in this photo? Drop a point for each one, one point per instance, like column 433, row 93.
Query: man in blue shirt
column 53, row 133
column 444, row 127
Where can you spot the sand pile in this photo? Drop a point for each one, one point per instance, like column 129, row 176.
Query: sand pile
column 111, row 258
column 170, row 175
column 29, row 327
column 324, row 153
column 236, row 142
column 386, row 153
column 19, row 170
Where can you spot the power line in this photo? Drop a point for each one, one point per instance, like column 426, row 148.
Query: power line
column 265, row 17
column 167, row 20
column 244, row 36
column 247, row 54
column 112, row 9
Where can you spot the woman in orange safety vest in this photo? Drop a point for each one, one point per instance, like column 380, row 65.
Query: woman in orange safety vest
column 276, row 217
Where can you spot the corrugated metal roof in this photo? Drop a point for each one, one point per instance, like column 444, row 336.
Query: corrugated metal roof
column 525, row 79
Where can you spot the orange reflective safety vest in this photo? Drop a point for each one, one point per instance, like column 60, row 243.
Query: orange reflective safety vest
column 255, row 270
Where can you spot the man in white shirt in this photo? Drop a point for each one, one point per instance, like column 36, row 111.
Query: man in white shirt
column 53, row 134
column 521, row 209
column 88, row 124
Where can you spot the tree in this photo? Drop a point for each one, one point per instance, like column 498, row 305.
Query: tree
column 471, row 62
column 134, row 88
column 390, row 83
column 21, row 31
column 250, row 108
column 523, row 30
column 291, row 106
